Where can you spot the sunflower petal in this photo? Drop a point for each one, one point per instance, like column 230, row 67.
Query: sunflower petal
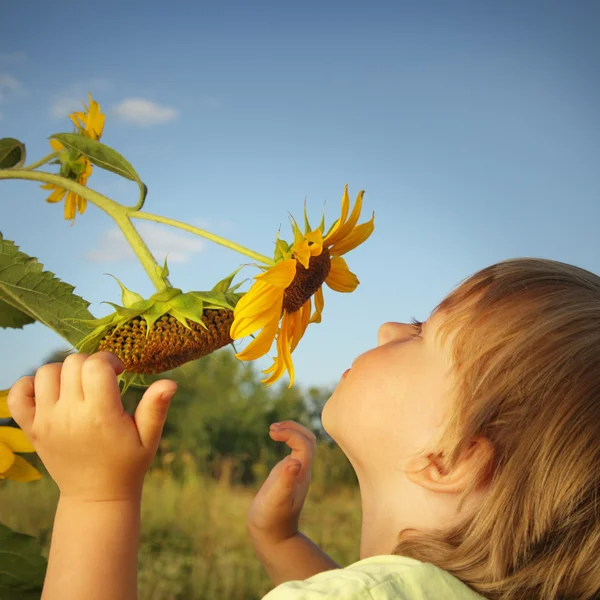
column 281, row 275
column 285, row 346
column 15, row 439
column 340, row 278
column 348, row 226
column 4, row 412
column 70, row 204
column 262, row 344
column 259, row 298
column 354, row 239
column 7, row 458
column 243, row 327
column 340, row 222
column 81, row 204
column 302, row 253
column 319, row 304
column 300, row 320
column 57, row 195
column 22, row 471
column 277, row 369
column 283, row 360
column 56, row 145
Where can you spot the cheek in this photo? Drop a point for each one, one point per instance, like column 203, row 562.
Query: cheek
column 381, row 413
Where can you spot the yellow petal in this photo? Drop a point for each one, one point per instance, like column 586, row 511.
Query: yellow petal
column 340, row 278
column 4, row 412
column 78, row 120
column 355, row 238
column 315, row 239
column 302, row 253
column 340, row 222
column 15, row 439
column 22, row 471
column 283, row 360
column 347, row 227
column 300, row 320
column 281, row 275
column 319, row 304
column 285, row 346
column 57, row 195
column 70, row 204
column 243, row 327
column 257, row 299
column 262, row 344
column 81, row 204
column 56, row 145
column 7, row 458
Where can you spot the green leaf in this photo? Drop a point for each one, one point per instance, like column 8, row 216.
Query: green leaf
column 101, row 155
column 24, row 285
column 22, row 567
column 13, row 317
column 12, row 153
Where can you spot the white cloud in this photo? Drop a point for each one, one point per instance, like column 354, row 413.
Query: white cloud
column 74, row 96
column 8, row 59
column 9, row 87
column 142, row 112
column 177, row 247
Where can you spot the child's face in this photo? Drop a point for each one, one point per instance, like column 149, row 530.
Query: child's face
column 393, row 400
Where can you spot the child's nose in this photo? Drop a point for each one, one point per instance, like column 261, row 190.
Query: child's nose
column 389, row 332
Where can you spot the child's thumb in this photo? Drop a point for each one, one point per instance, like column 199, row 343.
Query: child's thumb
column 151, row 412
column 284, row 474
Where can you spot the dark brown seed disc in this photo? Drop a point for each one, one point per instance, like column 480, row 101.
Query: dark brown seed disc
column 306, row 281
column 169, row 343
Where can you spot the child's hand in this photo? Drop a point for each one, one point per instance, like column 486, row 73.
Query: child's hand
column 74, row 417
column 275, row 511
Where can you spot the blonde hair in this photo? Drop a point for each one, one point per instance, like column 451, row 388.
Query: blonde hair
column 526, row 355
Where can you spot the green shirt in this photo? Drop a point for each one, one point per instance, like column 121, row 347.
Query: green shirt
column 378, row 578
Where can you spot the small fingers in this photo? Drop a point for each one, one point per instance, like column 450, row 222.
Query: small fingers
column 47, row 385
column 293, row 425
column 99, row 379
column 283, row 474
column 301, row 445
column 70, row 377
column 21, row 403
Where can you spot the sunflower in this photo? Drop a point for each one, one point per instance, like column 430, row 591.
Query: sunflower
column 279, row 303
column 78, row 168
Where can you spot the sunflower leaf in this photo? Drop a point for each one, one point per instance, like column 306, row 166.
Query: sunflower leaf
column 12, row 153
column 25, row 286
column 23, row 566
column 101, row 155
column 13, row 317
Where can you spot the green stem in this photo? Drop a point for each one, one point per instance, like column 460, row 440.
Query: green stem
column 40, row 162
column 205, row 234
column 115, row 210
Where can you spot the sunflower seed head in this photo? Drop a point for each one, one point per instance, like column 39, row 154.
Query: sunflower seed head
column 306, row 281
column 168, row 344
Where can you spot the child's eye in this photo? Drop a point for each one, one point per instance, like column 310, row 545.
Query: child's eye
column 418, row 325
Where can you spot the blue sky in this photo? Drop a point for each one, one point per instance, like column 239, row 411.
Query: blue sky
column 473, row 127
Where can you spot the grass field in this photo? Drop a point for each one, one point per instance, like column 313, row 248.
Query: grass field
column 193, row 543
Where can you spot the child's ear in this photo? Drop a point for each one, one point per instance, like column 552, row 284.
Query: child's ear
column 431, row 474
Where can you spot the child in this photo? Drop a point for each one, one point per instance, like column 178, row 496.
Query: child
column 475, row 437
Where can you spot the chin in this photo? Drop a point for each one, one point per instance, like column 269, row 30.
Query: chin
column 328, row 416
